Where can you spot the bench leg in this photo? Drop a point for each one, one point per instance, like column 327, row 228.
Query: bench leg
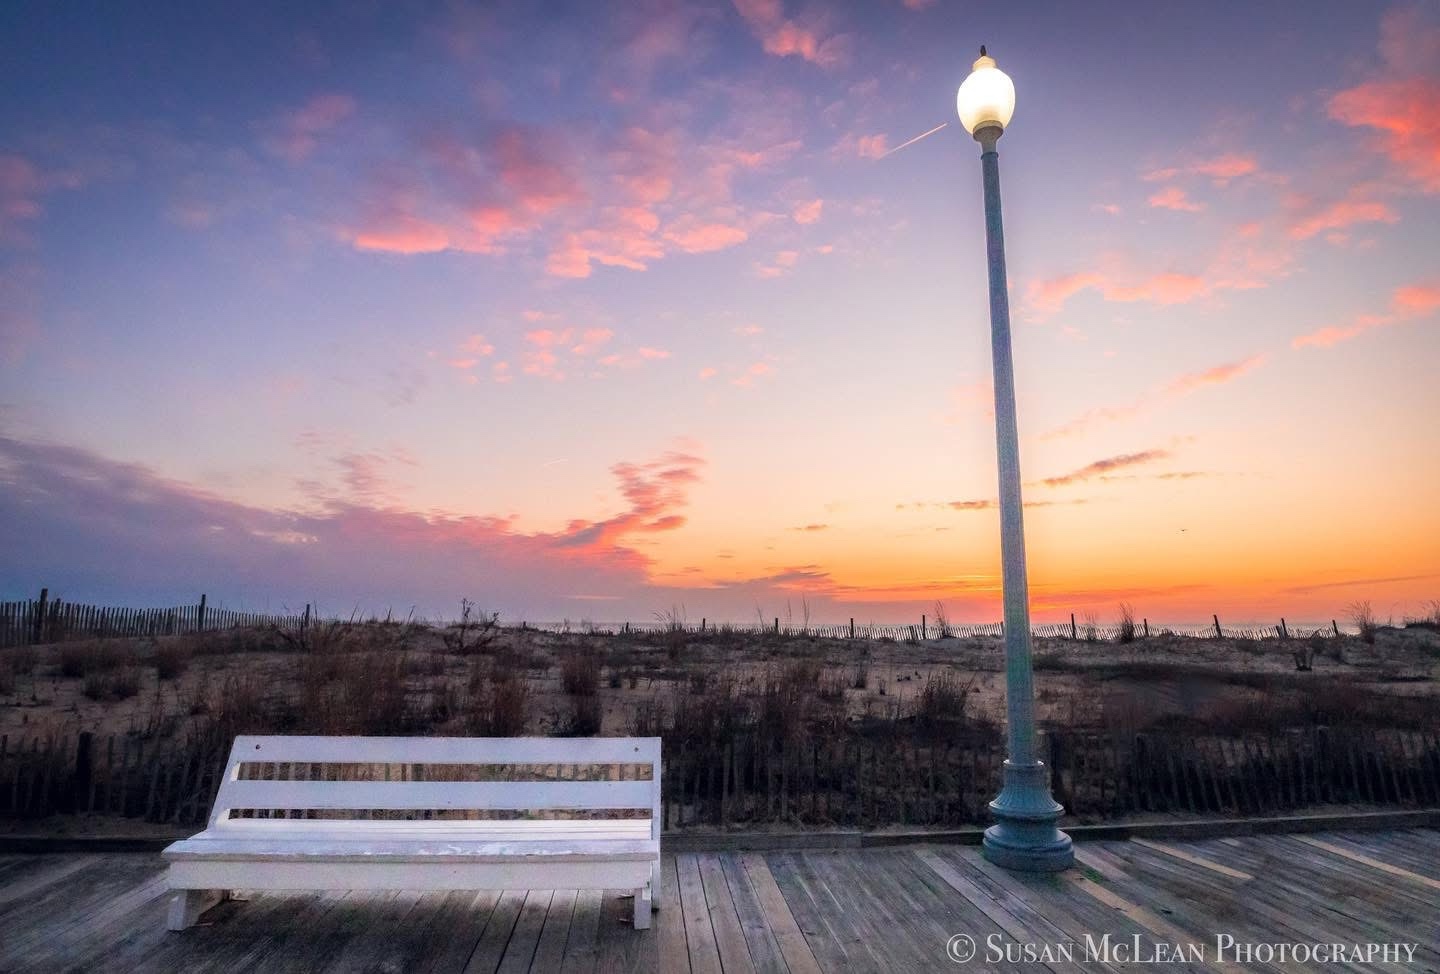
column 186, row 905
column 655, row 886
column 642, row 908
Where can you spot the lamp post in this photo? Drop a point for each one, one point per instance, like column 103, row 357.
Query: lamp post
column 1024, row 835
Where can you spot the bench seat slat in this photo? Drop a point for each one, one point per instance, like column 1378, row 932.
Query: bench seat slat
column 374, row 850
column 449, row 750
column 393, row 795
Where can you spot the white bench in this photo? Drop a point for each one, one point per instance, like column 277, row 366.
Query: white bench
column 289, row 851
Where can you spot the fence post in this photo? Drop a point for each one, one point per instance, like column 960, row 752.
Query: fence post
column 1146, row 623
column 39, row 620
column 305, row 620
column 852, row 627
column 1217, row 627
column 200, row 615
column 777, row 625
column 923, row 633
column 1334, row 627
column 1284, row 631
column 702, row 625
column 1073, row 634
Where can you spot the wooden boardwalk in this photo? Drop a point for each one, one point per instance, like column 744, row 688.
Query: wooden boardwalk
column 802, row 911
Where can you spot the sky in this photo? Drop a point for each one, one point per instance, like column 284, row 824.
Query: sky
column 600, row 311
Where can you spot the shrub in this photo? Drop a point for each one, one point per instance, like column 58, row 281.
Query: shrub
column 860, row 675
column 112, row 683
column 648, row 719
column 172, row 657
column 475, row 631
column 942, row 701
column 1363, row 617
column 82, row 658
column 580, row 672
column 942, row 621
column 583, row 719
column 1126, row 631
column 1091, row 632
column 497, row 705
column 22, row 659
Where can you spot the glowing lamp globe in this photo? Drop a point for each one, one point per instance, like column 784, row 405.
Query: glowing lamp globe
column 987, row 97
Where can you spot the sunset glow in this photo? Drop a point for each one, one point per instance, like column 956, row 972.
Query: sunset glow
column 592, row 311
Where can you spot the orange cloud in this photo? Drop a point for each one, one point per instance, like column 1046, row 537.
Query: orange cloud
column 1174, row 198
column 1106, row 466
column 1403, row 104
column 1406, row 304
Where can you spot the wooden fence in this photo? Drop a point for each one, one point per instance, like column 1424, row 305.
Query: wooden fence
column 47, row 620
column 746, row 779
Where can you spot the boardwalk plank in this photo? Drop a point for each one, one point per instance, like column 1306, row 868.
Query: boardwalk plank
column 623, row 949
column 526, row 935
column 582, row 945
column 462, row 920
column 496, row 935
column 764, row 951
column 670, row 922
column 779, row 919
column 699, row 932
column 822, row 938
column 724, row 919
column 550, row 951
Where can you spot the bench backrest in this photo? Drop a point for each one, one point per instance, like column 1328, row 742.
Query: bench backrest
column 260, row 790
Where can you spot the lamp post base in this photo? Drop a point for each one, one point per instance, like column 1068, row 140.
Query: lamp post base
column 1024, row 836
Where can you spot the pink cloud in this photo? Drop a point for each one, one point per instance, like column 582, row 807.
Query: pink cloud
column 646, row 352
column 808, row 212
column 20, row 191
column 755, row 371
column 700, row 238
column 870, row 146
column 748, row 331
column 1403, row 103
column 591, row 339
column 708, row 373
column 1406, row 304
column 1174, row 198
column 296, row 134
column 1220, row 170
column 1048, row 296
column 403, row 234
column 784, row 37
column 1354, row 209
column 1218, row 375
column 1177, row 387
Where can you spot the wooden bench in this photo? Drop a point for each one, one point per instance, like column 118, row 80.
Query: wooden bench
column 274, row 829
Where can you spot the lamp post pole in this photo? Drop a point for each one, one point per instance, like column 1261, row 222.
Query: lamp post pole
column 1025, row 835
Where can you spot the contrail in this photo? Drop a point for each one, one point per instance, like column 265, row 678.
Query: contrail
column 913, row 141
